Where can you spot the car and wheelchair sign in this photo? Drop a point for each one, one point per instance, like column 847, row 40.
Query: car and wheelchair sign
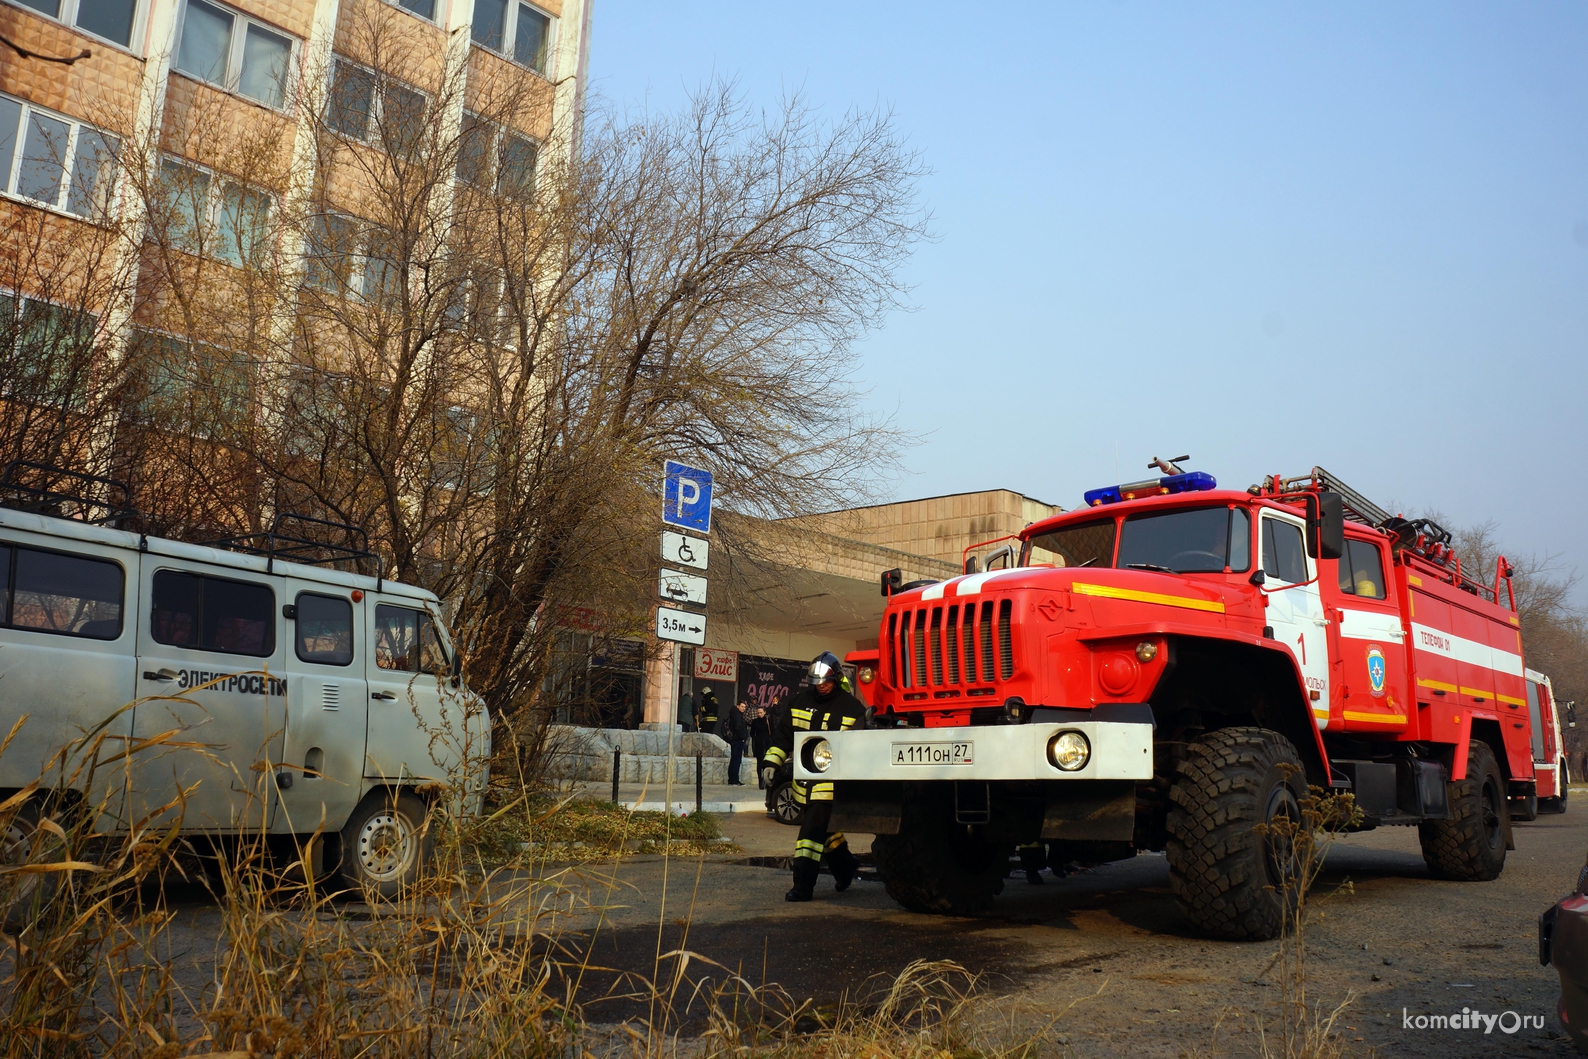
column 686, row 497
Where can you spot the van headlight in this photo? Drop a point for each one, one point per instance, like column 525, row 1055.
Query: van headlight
column 819, row 756
column 1069, row 751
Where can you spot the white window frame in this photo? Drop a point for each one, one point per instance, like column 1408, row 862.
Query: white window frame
column 358, row 256
column 234, row 57
column 69, row 163
column 214, row 203
column 510, row 39
column 494, row 155
column 68, row 18
column 377, row 103
column 438, row 6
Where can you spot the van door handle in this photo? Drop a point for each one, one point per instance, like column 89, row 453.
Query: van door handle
column 383, row 696
column 163, row 675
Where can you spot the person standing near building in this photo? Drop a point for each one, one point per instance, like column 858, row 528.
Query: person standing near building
column 736, row 729
column 823, row 706
column 760, row 741
column 686, row 712
column 706, row 712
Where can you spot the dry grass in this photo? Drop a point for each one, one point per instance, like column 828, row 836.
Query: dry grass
column 468, row 963
column 550, row 824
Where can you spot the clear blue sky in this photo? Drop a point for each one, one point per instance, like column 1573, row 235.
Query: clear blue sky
column 1269, row 235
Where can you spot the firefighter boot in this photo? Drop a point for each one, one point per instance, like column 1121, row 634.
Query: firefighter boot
column 843, row 865
column 805, row 871
column 1032, row 858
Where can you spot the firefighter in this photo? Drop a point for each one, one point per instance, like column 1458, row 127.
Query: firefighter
column 823, row 706
column 707, row 708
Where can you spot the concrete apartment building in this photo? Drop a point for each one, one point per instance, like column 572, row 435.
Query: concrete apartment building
column 66, row 129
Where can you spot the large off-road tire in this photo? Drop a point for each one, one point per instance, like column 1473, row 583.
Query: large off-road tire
column 24, row 896
column 1469, row 844
column 1231, row 881
column 936, row 866
column 386, row 843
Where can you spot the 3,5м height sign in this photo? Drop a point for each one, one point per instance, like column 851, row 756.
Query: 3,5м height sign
column 686, row 497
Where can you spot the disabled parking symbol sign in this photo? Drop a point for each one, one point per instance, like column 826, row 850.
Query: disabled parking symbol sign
column 686, row 497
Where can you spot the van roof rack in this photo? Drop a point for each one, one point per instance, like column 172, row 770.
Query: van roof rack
column 46, row 489
column 298, row 547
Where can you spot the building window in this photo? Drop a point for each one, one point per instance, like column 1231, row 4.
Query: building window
column 425, row 9
column 348, row 257
column 375, row 109
column 112, row 20
column 233, row 52
column 192, row 384
column 516, row 30
column 485, row 151
column 203, row 213
column 46, row 352
column 55, row 161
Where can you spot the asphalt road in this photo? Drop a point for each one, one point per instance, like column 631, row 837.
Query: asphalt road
column 1108, row 949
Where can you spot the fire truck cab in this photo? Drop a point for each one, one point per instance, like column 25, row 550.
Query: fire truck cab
column 1549, row 749
column 1171, row 667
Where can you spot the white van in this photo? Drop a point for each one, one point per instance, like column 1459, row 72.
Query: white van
column 319, row 698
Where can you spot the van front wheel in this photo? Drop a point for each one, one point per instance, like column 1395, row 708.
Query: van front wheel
column 386, row 843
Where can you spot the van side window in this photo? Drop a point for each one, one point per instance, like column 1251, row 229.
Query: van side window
column 407, row 641
column 325, row 629
column 213, row 614
column 68, row 594
column 1362, row 570
column 1284, row 555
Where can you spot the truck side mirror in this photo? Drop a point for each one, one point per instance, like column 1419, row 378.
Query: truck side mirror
column 1326, row 527
column 1571, row 715
column 892, row 581
column 972, row 564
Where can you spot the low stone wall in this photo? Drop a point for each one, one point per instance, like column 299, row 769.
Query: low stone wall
column 586, row 754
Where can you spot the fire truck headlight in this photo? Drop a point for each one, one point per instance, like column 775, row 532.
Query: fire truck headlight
column 866, row 674
column 1069, row 751
column 1146, row 651
column 820, row 756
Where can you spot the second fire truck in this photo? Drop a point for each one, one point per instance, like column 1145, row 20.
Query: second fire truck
column 1169, row 668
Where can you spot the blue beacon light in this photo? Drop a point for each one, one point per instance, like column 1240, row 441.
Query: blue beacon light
column 1189, row 482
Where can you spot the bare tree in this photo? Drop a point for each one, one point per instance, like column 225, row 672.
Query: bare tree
column 428, row 318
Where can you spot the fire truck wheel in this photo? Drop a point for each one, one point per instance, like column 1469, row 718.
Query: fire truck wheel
column 1526, row 807
column 386, row 844
column 936, row 866
column 1469, row 844
column 1231, row 881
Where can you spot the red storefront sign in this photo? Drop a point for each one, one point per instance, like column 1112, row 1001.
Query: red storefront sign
column 711, row 664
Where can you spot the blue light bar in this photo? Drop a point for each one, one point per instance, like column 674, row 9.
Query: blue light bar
column 1189, row 482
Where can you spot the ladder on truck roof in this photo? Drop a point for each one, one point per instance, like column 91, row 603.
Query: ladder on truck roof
column 1356, row 505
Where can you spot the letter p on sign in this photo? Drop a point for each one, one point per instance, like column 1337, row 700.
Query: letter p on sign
column 686, row 497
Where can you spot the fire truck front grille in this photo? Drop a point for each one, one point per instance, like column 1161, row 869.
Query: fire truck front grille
column 952, row 646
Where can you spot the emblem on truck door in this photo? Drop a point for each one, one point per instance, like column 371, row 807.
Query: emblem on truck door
column 1376, row 670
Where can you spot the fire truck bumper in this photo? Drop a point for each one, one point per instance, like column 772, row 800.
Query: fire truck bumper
column 1114, row 751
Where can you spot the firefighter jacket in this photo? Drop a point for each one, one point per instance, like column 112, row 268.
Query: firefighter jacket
column 808, row 712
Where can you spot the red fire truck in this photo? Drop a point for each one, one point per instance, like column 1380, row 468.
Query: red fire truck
column 1549, row 750
column 1171, row 666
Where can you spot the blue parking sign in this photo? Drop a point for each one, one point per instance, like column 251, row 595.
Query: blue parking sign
column 686, row 497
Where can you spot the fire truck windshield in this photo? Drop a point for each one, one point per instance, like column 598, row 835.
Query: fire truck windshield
column 1199, row 540
column 1195, row 540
